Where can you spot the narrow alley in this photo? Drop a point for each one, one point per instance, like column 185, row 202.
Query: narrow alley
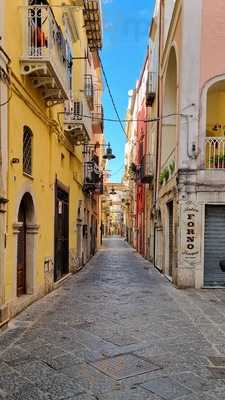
column 117, row 331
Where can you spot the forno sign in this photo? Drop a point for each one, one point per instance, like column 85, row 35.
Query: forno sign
column 190, row 234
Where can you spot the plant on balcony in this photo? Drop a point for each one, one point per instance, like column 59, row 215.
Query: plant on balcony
column 218, row 161
column 161, row 178
column 164, row 176
column 172, row 167
column 166, row 173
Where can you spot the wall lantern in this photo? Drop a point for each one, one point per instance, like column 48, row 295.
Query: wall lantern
column 109, row 154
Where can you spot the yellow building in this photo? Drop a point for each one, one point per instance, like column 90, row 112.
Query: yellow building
column 53, row 113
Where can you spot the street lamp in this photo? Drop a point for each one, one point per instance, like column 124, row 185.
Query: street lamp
column 109, row 154
column 113, row 192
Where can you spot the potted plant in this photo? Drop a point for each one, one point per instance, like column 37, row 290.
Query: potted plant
column 172, row 167
column 161, row 178
column 218, row 161
column 166, row 174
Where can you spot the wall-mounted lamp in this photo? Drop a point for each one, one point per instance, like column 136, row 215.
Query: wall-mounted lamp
column 109, row 154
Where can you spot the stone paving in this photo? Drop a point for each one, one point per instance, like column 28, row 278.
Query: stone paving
column 117, row 331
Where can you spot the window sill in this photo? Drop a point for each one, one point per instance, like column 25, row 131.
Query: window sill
column 28, row 176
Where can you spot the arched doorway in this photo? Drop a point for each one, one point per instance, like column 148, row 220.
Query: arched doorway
column 24, row 246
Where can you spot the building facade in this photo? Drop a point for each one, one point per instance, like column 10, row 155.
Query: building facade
column 54, row 122
column 186, row 132
column 4, row 101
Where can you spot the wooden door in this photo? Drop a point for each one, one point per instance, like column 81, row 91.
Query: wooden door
column 61, row 234
column 21, row 253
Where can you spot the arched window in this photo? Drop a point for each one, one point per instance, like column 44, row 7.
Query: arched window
column 27, row 150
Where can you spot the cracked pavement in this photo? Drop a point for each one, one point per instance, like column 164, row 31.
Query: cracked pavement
column 117, row 331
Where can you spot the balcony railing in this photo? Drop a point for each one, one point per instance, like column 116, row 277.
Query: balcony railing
column 93, row 178
column 89, row 90
column 151, row 88
column 146, row 170
column 77, row 121
column 93, row 23
column 46, row 56
column 215, row 152
column 98, row 119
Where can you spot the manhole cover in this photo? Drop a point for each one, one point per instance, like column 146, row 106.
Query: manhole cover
column 124, row 366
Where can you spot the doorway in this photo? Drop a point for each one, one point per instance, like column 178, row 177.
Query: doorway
column 25, row 246
column 170, row 215
column 21, row 251
column 61, row 265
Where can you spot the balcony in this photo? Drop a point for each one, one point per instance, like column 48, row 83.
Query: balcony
column 93, row 23
column 46, row 59
column 89, row 90
column 151, row 88
column 98, row 120
column 93, row 178
column 215, row 152
column 77, row 121
column 146, row 170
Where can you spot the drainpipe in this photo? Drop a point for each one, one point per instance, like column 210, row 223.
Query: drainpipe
column 158, row 131
column 4, row 82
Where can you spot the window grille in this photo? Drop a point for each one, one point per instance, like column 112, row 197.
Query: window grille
column 27, row 150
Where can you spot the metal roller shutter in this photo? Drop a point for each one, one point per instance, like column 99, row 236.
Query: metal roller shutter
column 214, row 246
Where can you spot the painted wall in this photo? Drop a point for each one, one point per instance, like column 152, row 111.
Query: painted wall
column 52, row 156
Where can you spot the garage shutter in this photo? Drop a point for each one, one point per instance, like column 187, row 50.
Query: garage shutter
column 214, row 246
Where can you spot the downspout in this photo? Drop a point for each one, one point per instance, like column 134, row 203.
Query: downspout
column 4, row 100
column 158, row 132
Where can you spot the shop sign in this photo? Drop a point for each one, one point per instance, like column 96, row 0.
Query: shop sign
column 190, row 222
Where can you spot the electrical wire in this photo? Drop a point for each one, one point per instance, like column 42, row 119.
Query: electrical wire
column 132, row 120
column 111, row 96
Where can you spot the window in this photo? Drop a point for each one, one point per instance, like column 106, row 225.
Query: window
column 27, row 150
column 88, row 86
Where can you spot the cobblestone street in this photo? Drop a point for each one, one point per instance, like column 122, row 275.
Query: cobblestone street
column 117, row 331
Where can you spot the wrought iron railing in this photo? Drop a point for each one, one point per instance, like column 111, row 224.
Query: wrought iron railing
column 93, row 179
column 98, row 117
column 146, row 170
column 78, row 112
column 215, row 152
column 151, row 88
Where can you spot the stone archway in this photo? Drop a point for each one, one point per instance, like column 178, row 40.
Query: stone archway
column 26, row 230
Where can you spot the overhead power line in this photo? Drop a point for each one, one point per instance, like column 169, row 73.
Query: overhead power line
column 111, row 97
column 133, row 120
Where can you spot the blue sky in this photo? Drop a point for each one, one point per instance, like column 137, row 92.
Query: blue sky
column 126, row 24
